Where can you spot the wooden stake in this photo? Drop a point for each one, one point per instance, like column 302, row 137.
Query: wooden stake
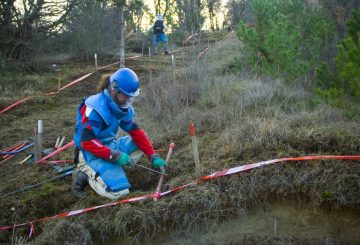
column 61, row 142
column 57, row 142
column 173, row 61
column 96, row 63
column 195, row 149
column 150, row 78
column 25, row 159
column 39, row 140
column 143, row 44
column 173, row 66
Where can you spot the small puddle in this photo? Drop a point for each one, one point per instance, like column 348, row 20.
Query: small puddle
column 279, row 223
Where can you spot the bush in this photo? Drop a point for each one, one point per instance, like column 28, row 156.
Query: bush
column 286, row 38
column 332, row 96
column 348, row 64
column 346, row 75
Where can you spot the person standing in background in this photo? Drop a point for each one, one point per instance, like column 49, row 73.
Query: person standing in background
column 158, row 28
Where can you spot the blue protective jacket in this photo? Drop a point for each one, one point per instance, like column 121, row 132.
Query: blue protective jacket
column 105, row 118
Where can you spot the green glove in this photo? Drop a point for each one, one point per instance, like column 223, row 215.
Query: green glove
column 125, row 159
column 157, row 161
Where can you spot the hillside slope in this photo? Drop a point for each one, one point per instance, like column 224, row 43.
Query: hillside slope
column 240, row 118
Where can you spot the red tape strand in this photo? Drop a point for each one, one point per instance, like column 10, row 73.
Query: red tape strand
column 76, row 81
column 66, row 86
column 9, row 148
column 218, row 174
column 46, row 94
column 65, row 147
column 15, row 104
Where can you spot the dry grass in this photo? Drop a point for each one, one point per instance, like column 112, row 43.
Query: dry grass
column 246, row 112
column 240, row 119
column 311, row 184
column 65, row 232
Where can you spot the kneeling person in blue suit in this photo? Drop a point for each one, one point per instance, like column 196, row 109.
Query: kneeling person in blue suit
column 102, row 155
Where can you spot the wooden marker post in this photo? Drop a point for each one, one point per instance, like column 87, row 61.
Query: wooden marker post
column 143, row 44
column 57, row 142
column 150, row 78
column 39, row 140
column 61, row 142
column 173, row 61
column 195, row 149
column 96, row 63
column 173, row 66
column 58, row 74
column 59, row 84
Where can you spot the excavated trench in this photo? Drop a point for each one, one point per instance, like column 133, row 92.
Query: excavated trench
column 278, row 222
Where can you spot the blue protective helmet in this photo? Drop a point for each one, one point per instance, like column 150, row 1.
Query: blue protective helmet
column 126, row 81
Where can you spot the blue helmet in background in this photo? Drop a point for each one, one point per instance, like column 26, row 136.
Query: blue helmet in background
column 126, row 81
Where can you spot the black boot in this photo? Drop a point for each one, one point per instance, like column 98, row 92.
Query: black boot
column 80, row 181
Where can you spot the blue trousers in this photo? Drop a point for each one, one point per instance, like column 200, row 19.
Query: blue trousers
column 160, row 37
column 112, row 173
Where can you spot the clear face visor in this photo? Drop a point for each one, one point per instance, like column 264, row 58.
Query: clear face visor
column 126, row 100
column 126, row 103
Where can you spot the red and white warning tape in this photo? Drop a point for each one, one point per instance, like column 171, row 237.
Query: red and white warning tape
column 66, row 86
column 46, row 94
column 218, row 174
column 65, row 147
column 15, row 104
column 244, row 168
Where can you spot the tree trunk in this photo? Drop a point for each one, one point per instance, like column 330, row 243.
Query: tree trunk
column 122, row 37
column 157, row 7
